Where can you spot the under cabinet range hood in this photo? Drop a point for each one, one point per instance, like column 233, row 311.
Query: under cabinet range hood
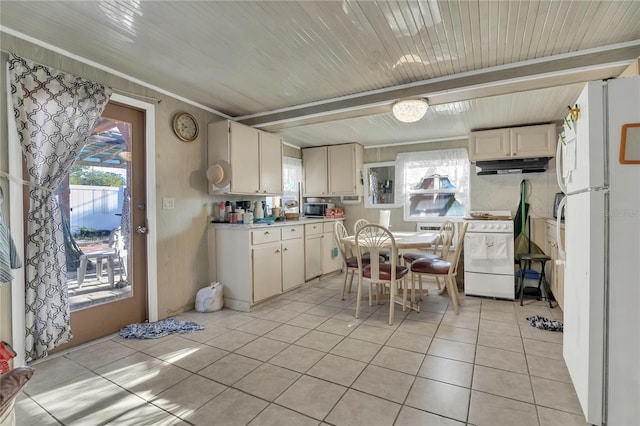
column 512, row 166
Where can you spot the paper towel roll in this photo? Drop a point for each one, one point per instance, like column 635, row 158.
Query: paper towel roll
column 385, row 215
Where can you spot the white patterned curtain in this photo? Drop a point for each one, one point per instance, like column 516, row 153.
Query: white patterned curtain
column 55, row 113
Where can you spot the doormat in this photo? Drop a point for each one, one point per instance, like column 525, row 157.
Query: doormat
column 545, row 324
column 158, row 329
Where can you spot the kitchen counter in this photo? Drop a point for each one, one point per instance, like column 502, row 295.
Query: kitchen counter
column 300, row 221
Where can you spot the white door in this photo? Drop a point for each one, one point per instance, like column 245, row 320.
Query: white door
column 584, row 299
column 589, row 146
column 488, row 253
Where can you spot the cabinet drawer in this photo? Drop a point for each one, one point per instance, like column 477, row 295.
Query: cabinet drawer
column 261, row 236
column 292, row 232
column 327, row 227
column 313, row 228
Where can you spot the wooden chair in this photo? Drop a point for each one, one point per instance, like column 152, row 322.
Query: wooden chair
column 373, row 239
column 442, row 268
column 440, row 250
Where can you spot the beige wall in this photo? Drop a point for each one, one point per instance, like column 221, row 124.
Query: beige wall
column 180, row 173
column 487, row 192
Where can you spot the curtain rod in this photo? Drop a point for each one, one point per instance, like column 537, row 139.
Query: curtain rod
column 119, row 91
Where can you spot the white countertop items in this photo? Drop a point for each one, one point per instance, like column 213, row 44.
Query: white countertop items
column 301, row 221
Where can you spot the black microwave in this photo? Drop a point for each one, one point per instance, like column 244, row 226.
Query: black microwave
column 317, row 209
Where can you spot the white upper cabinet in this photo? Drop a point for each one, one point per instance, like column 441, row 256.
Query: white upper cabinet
column 314, row 171
column 255, row 157
column 332, row 170
column 515, row 142
column 270, row 163
column 345, row 166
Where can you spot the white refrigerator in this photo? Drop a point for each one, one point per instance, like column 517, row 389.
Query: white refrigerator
column 601, row 342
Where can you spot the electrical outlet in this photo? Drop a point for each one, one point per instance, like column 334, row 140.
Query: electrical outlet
column 168, row 203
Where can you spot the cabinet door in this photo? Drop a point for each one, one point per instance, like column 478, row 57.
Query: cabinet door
column 312, row 256
column 331, row 260
column 267, row 271
column 314, row 169
column 270, row 163
column 342, row 171
column 245, row 159
column 292, row 263
column 533, row 141
column 489, row 145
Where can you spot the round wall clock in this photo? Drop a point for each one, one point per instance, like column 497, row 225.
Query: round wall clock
column 185, row 126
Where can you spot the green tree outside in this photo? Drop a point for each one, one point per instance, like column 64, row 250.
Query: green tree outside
column 87, row 175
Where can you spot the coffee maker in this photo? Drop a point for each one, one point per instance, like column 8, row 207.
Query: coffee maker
column 245, row 205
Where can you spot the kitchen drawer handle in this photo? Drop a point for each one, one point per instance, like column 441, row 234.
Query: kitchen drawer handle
column 293, row 229
column 267, row 233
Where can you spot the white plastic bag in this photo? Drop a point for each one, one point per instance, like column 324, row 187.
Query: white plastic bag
column 210, row 298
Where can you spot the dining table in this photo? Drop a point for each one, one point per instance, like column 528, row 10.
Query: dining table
column 404, row 241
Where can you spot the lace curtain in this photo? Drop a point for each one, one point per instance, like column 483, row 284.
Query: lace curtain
column 55, row 113
column 412, row 167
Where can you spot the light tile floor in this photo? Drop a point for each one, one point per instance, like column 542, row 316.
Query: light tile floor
column 303, row 359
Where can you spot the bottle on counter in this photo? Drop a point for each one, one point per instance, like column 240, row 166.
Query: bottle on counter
column 222, row 211
column 227, row 208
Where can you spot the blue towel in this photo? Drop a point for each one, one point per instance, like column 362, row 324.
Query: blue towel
column 158, row 329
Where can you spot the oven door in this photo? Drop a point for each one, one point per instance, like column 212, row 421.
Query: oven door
column 489, row 253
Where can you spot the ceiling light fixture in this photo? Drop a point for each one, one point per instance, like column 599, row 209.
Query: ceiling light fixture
column 410, row 110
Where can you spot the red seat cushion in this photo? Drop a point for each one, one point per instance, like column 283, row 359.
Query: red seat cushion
column 352, row 262
column 431, row 266
column 412, row 257
column 385, row 271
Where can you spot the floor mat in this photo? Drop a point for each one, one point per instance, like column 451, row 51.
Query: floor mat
column 158, row 329
column 545, row 323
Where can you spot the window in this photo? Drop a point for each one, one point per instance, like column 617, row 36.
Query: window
column 433, row 184
column 291, row 178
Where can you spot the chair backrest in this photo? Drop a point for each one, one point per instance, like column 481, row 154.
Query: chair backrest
column 445, row 239
column 453, row 269
column 340, row 232
column 374, row 239
column 359, row 224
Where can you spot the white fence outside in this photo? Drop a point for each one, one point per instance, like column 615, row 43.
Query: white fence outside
column 95, row 207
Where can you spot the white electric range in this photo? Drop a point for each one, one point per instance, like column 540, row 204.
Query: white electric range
column 488, row 255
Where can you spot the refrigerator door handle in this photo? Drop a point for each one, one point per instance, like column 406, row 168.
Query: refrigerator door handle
column 559, row 162
column 560, row 213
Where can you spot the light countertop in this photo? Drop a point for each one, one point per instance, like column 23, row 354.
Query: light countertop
column 301, row 221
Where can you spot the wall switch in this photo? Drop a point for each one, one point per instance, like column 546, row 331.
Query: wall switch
column 168, row 203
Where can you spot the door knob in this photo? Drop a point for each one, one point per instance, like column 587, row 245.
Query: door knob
column 141, row 230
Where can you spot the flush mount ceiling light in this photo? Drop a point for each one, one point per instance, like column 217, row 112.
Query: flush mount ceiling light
column 410, row 110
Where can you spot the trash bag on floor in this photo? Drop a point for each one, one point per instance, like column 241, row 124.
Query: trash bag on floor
column 210, row 298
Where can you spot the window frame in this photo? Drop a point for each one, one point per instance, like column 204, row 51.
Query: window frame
column 407, row 163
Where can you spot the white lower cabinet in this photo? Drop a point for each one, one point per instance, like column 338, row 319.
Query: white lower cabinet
column 256, row 264
column 331, row 260
column 292, row 263
column 267, row 271
column 321, row 252
column 312, row 250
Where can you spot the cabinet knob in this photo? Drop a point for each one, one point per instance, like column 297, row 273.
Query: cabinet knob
column 293, row 229
column 285, row 249
column 267, row 233
column 277, row 250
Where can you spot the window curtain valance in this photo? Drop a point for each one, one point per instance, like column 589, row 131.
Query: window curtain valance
column 55, row 113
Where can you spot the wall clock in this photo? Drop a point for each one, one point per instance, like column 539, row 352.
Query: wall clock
column 185, row 126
